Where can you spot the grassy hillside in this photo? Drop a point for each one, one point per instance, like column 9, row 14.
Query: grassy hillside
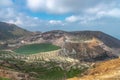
column 36, row 48
column 40, row 71
column 11, row 31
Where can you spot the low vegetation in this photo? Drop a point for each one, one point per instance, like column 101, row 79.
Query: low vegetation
column 40, row 71
column 4, row 78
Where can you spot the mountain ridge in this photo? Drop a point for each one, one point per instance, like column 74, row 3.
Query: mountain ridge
column 81, row 45
column 11, row 31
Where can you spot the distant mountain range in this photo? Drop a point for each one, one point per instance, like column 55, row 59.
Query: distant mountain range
column 11, row 31
column 81, row 45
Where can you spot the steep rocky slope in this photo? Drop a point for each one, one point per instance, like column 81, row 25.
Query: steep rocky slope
column 82, row 36
column 105, row 38
column 89, row 50
column 90, row 46
column 108, row 70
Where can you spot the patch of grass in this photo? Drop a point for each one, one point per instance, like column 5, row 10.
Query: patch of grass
column 4, row 78
column 36, row 48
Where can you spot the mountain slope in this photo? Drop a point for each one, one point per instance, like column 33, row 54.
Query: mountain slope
column 90, row 50
column 105, row 38
column 83, row 36
column 108, row 70
column 11, row 31
column 84, row 45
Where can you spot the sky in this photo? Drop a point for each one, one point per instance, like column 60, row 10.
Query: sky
column 67, row 15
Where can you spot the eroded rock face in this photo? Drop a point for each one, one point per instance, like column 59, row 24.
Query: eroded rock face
column 88, row 50
column 105, row 38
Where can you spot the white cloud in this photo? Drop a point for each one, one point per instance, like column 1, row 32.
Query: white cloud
column 66, row 6
column 55, row 22
column 10, row 15
column 5, row 3
column 61, row 6
column 17, row 21
column 113, row 13
column 102, row 10
column 7, row 13
column 36, row 4
column 72, row 18
column 52, row 6
column 95, row 13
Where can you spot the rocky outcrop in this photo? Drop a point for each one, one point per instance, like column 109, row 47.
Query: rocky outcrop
column 88, row 50
column 105, row 38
